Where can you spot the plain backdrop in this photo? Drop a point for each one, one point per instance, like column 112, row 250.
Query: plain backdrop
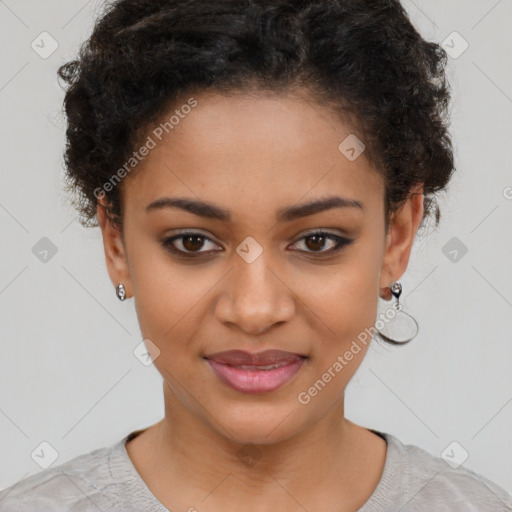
column 68, row 373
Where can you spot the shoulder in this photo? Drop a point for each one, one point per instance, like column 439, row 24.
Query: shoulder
column 79, row 484
column 429, row 482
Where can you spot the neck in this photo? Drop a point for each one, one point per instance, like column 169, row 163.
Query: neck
column 190, row 441
column 191, row 456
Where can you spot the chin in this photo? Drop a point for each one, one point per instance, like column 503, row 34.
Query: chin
column 259, row 425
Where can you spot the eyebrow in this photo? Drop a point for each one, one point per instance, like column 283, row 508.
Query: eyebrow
column 211, row 211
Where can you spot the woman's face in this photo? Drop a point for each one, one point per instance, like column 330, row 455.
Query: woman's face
column 255, row 280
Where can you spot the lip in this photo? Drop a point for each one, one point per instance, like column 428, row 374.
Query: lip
column 260, row 372
column 264, row 358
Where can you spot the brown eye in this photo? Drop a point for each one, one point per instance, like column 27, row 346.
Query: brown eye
column 317, row 241
column 186, row 244
column 193, row 242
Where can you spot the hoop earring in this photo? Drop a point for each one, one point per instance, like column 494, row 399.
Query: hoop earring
column 404, row 325
column 120, row 292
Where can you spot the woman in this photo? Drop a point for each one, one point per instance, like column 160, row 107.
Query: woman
column 259, row 171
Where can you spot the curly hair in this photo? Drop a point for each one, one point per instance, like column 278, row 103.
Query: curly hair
column 361, row 58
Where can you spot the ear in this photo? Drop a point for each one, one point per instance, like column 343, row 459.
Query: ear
column 115, row 251
column 403, row 226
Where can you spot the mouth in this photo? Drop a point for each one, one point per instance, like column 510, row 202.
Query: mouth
column 260, row 372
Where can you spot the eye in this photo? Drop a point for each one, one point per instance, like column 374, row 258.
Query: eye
column 318, row 239
column 188, row 243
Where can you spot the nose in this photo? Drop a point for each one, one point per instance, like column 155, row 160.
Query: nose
column 254, row 298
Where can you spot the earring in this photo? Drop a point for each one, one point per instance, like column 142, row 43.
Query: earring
column 120, row 292
column 403, row 324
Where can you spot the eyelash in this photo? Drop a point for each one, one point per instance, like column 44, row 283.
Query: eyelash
column 341, row 243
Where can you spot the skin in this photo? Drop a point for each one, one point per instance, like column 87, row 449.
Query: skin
column 254, row 155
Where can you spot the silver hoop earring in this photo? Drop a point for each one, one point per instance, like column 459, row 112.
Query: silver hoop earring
column 402, row 327
column 120, row 292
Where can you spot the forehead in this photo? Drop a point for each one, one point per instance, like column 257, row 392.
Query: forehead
column 251, row 151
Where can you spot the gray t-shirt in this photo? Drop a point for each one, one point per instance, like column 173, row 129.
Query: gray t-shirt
column 106, row 480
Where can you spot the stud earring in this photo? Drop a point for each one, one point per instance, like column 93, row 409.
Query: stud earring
column 120, row 292
column 402, row 327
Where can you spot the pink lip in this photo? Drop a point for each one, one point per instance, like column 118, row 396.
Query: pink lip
column 253, row 380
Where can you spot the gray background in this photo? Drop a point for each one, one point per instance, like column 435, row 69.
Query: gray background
column 68, row 374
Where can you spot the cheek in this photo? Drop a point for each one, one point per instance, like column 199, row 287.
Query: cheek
column 168, row 296
column 344, row 300
column 345, row 314
column 341, row 307
column 168, row 303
